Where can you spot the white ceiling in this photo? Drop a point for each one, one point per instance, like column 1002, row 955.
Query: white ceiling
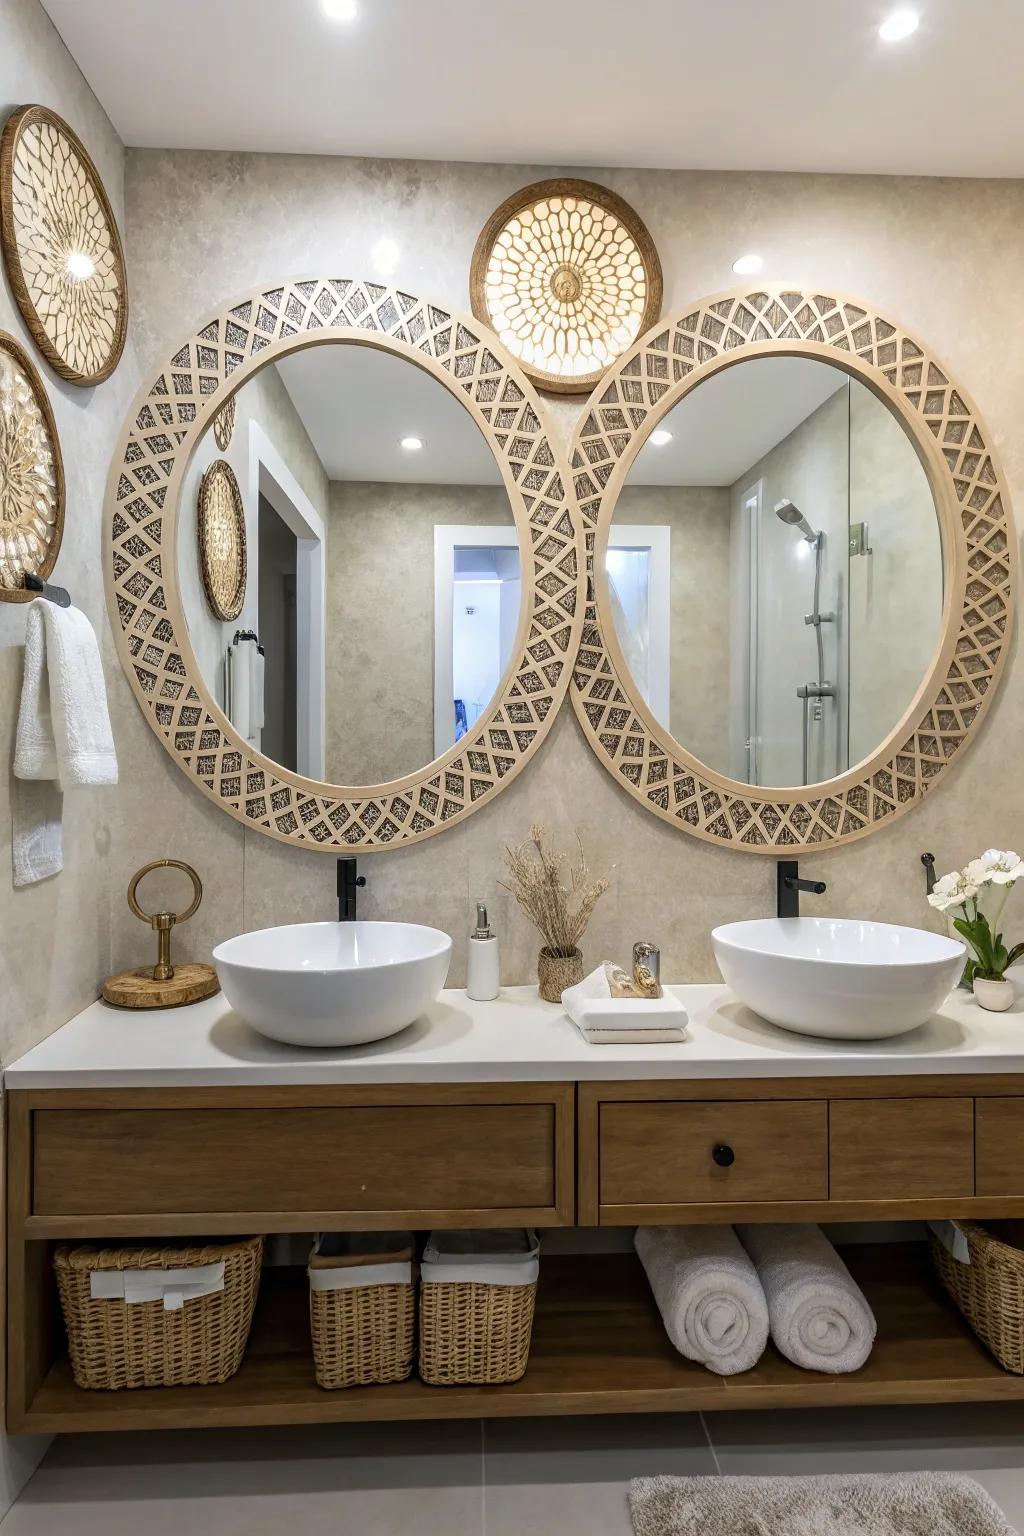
column 733, row 419
column 799, row 85
column 357, row 403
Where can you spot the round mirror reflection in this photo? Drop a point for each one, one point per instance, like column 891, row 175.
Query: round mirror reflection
column 774, row 571
column 381, row 598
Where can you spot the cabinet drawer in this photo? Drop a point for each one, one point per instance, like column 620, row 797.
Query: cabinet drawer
column 901, row 1149
column 411, row 1159
column 665, row 1154
column 999, row 1129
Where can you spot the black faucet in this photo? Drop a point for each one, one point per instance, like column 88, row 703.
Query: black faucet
column 788, row 886
column 348, row 882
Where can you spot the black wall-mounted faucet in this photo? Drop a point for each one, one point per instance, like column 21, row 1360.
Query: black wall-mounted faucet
column 348, row 883
column 788, row 886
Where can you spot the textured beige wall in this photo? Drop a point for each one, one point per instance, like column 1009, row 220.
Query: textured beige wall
column 73, row 908
column 380, row 620
column 698, row 518
column 941, row 255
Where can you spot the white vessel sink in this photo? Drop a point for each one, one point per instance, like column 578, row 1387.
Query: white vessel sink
column 333, row 983
column 837, row 977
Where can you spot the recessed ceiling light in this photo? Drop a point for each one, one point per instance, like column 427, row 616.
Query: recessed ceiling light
column 80, row 266
column 385, row 256
column 411, row 444
column 339, row 10
column 898, row 25
column 660, row 437
column 744, row 266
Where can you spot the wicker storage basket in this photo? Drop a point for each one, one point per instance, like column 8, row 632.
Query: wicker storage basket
column 989, row 1291
column 115, row 1343
column 362, row 1310
column 477, row 1300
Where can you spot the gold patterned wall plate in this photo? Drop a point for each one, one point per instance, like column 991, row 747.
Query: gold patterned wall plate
column 568, row 276
column 224, row 425
column 979, row 561
column 168, row 418
column 61, row 246
column 31, row 475
column 222, row 548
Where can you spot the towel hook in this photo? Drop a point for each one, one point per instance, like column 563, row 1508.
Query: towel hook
column 56, row 595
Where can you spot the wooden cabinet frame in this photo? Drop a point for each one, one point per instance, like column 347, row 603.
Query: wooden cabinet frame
column 599, row 1345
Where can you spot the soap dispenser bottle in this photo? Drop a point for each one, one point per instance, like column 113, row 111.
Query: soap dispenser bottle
column 483, row 972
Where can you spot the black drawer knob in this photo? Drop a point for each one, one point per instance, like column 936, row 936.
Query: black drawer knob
column 724, row 1156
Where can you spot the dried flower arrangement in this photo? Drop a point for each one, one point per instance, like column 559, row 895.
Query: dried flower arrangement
column 560, row 912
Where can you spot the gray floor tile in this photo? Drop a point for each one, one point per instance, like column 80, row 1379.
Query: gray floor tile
column 568, row 1477
column 983, row 1440
column 360, row 1480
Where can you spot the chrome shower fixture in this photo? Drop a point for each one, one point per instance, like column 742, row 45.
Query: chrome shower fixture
column 788, row 512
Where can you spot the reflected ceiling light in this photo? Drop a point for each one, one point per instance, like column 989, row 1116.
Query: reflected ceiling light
column 339, row 10
column 660, row 437
column 411, row 444
column 385, row 256
column 898, row 25
column 80, row 266
column 745, row 266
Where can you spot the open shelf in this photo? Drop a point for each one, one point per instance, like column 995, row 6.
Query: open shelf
column 598, row 1347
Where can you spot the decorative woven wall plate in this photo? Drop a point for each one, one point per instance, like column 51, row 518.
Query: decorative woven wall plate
column 61, row 246
column 224, row 425
column 568, row 276
column 167, row 420
column 979, row 561
column 31, row 475
column 222, row 548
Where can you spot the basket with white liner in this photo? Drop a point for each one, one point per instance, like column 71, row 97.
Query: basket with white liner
column 477, row 1298
column 362, row 1308
column 152, row 1316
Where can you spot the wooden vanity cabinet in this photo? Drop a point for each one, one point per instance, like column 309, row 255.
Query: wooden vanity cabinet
column 800, row 1149
column 107, row 1164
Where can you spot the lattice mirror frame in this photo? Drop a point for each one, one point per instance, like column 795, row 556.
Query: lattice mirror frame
column 979, row 548
column 166, row 421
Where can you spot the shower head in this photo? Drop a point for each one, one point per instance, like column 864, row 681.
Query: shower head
column 789, row 513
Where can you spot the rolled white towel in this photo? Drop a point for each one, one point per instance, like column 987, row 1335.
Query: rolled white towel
column 708, row 1294
column 820, row 1318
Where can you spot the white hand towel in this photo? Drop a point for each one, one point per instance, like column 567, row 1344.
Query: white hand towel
column 63, row 737
column 240, row 687
column 820, row 1318
column 595, row 1010
column 257, row 715
column 708, row 1294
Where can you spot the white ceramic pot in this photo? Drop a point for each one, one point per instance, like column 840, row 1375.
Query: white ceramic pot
column 996, row 996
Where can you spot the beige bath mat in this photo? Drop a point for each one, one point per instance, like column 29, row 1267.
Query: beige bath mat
column 907, row 1504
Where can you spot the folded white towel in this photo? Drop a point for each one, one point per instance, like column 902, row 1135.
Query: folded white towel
column 820, row 1318
column 63, row 737
column 596, row 1012
column 708, row 1294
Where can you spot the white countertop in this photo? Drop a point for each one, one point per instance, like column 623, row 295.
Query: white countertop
column 517, row 1038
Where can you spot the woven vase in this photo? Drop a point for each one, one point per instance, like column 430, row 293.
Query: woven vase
column 556, row 972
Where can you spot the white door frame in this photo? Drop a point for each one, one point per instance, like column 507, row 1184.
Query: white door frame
column 449, row 536
column 270, row 476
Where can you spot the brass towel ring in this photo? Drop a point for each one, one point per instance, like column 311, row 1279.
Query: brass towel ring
column 163, row 986
column 147, row 869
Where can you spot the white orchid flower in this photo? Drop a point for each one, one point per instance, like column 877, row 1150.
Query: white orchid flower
column 999, row 867
column 953, row 890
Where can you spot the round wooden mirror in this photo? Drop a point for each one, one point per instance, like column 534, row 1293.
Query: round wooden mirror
column 802, row 566
column 412, row 595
